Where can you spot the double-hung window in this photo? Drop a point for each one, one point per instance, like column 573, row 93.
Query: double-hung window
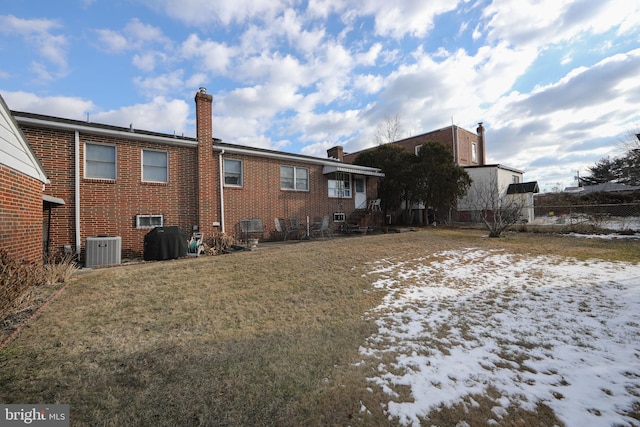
column 474, row 152
column 155, row 166
column 233, row 172
column 99, row 161
column 294, row 178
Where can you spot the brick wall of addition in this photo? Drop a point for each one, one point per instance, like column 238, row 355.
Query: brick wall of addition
column 20, row 215
column 109, row 207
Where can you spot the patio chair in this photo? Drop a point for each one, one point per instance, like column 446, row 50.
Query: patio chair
column 374, row 205
column 323, row 228
column 280, row 228
column 294, row 227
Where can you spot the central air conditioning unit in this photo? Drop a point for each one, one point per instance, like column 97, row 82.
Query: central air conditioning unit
column 103, row 251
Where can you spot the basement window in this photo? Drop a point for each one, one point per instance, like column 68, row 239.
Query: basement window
column 149, row 221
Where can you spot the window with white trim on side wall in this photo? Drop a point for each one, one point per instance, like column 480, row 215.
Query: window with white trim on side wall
column 155, row 166
column 99, row 161
column 294, row 178
column 233, row 173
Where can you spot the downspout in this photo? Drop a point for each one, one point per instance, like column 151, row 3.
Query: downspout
column 77, row 190
column 221, row 191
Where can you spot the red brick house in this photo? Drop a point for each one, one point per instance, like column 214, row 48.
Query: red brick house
column 468, row 148
column 469, row 151
column 124, row 181
column 22, row 185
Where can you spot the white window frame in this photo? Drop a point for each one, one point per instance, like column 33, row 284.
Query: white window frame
column 515, row 179
column 240, row 175
column 474, row 152
column 147, row 221
column 166, row 166
column 87, row 175
column 297, row 182
column 417, row 149
column 339, row 217
column 335, row 190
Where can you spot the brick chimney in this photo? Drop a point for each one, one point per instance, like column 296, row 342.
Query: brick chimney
column 481, row 144
column 336, row 152
column 207, row 202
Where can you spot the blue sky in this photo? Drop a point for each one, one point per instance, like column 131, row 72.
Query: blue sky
column 556, row 84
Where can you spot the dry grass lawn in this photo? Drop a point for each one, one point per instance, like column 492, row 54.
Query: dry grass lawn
column 261, row 338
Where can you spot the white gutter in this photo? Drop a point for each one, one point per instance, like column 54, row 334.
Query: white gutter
column 221, row 191
column 362, row 170
column 94, row 130
column 77, row 190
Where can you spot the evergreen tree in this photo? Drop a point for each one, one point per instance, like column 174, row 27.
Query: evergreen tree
column 440, row 182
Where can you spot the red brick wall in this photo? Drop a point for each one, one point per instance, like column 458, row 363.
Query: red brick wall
column 20, row 215
column 110, row 207
column 55, row 151
column 444, row 136
column 261, row 197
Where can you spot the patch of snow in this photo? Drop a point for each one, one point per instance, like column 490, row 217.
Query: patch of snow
column 549, row 330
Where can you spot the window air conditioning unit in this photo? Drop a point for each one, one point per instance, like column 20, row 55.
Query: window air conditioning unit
column 103, row 251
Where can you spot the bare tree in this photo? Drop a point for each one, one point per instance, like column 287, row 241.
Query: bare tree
column 389, row 130
column 631, row 139
column 489, row 202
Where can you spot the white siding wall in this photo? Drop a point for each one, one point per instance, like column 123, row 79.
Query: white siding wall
column 14, row 150
column 486, row 177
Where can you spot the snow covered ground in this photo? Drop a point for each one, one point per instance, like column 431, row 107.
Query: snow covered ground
column 558, row 331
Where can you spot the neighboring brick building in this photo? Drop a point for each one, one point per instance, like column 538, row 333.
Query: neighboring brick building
column 468, row 148
column 469, row 152
column 123, row 181
column 22, row 198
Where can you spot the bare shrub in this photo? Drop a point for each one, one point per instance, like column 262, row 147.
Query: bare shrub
column 60, row 269
column 17, row 280
column 219, row 243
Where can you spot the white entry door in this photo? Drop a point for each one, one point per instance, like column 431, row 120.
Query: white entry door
column 359, row 184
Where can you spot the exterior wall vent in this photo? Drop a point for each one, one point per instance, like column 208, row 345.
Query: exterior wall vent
column 103, row 251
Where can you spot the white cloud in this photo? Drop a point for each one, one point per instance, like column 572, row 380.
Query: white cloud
column 212, row 56
column 405, row 17
column 58, row 106
column 137, row 37
column 39, row 34
column 160, row 115
column 112, row 41
column 200, row 12
column 160, row 85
